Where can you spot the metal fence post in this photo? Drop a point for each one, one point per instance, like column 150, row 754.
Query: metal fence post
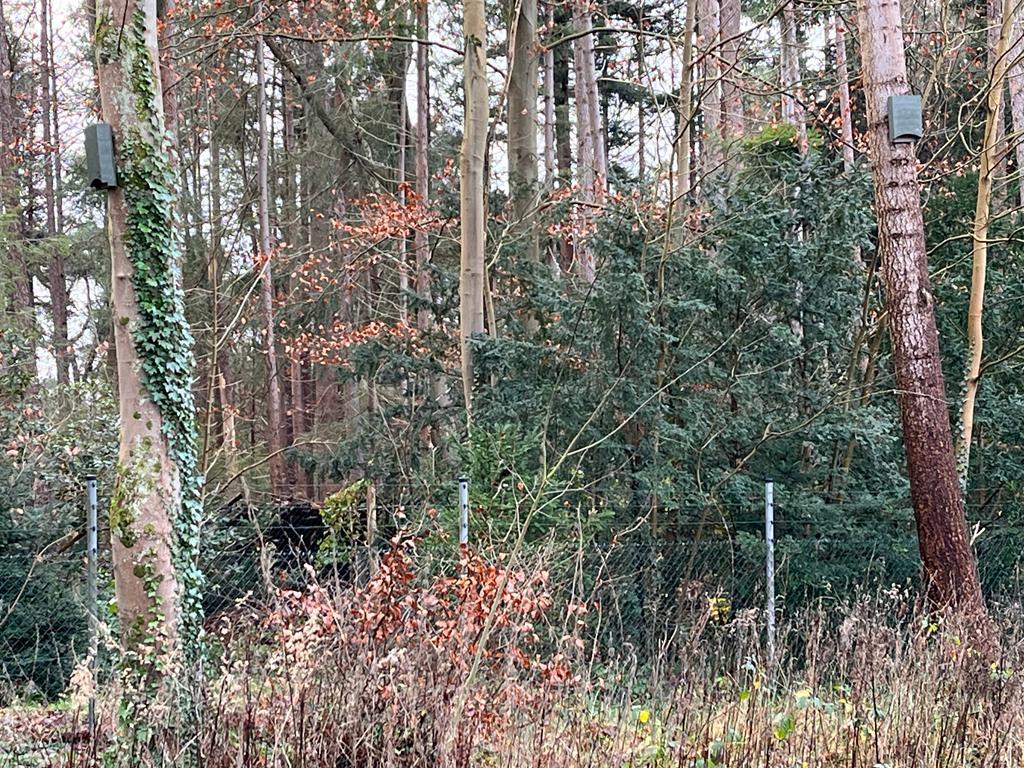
column 92, row 554
column 463, row 510
column 769, row 565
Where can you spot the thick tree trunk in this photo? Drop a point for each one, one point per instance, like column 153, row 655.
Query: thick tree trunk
column 275, row 419
column 55, row 267
column 950, row 572
column 988, row 163
column 155, row 510
column 471, row 172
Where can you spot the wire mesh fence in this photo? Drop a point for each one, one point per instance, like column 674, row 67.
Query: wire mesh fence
column 644, row 584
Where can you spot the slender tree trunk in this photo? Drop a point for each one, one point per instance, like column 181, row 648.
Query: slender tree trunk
column 708, row 25
column 522, row 122
column 589, row 142
column 845, row 112
column 55, row 269
column 275, row 420
column 550, row 166
column 685, row 132
column 950, row 572
column 421, row 244
column 155, row 511
column 732, row 93
column 792, row 94
column 1015, row 79
column 995, row 12
column 471, row 172
column 987, row 165
column 20, row 301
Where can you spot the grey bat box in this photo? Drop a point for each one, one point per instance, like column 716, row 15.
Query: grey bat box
column 99, row 156
column 905, row 123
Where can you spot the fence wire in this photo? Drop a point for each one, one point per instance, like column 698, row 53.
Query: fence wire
column 645, row 587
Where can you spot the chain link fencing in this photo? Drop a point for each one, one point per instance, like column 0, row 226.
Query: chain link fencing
column 646, row 585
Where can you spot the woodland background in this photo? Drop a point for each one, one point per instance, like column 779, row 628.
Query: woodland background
column 679, row 292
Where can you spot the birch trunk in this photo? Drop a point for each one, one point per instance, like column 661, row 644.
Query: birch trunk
column 950, row 573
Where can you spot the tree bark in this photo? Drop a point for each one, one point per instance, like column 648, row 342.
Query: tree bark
column 1015, row 79
column 421, row 244
column 987, row 165
column 711, row 86
column 20, row 302
column 792, row 93
column 950, row 572
column 589, row 137
column 845, row 111
column 55, row 268
column 732, row 93
column 522, row 122
column 275, row 420
column 471, row 172
column 155, row 509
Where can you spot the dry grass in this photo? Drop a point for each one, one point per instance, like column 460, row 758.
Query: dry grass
column 486, row 668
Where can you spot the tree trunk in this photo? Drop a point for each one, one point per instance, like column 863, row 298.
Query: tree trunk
column 950, row 573
column 732, row 93
column 522, row 122
column 845, row 112
column 685, row 132
column 711, row 86
column 19, row 305
column 987, row 165
column 471, row 172
column 1015, row 79
column 55, row 268
column 275, row 420
column 550, row 166
column 155, row 510
column 421, row 244
column 792, row 95
column 995, row 10
column 589, row 138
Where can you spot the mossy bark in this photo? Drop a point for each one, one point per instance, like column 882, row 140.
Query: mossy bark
column 155, row 512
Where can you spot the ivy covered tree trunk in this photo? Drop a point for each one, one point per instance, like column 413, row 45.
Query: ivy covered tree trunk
column 950, row 573
column 155, row 509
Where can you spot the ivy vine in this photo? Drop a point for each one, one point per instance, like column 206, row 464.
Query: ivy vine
column 163, row 340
